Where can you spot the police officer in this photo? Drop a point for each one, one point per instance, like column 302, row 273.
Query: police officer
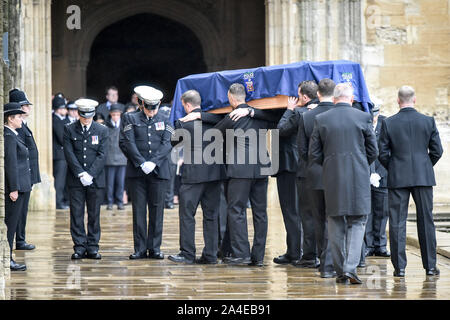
column 85, row 151
column 72, row 112
column 145, row 141
column 26, row 135
column 17, row 174
column 59, row 120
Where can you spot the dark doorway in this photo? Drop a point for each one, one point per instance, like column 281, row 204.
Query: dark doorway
column 143, row 49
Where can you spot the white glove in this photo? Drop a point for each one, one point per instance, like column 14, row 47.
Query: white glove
column 375, row 180
column 148, row 167
column 86, row 179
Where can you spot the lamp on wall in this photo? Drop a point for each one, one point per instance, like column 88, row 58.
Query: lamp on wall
column 5, row 48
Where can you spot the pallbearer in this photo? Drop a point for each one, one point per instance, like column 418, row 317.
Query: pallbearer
column 145, row 141
column 84, row 148
column 17, row 174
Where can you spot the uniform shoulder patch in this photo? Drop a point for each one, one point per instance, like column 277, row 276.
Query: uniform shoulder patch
column 170, row 129
column 128, row 127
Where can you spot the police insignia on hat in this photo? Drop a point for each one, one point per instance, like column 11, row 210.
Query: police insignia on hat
column 86, row 107
column 150, row 97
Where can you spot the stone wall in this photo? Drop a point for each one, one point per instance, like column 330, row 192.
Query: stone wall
column 9, row 76
column 397, row 42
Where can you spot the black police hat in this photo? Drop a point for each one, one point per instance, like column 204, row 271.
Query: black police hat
column 15, row 95
column 12, row 108
column 71, row 105
column 58, row 102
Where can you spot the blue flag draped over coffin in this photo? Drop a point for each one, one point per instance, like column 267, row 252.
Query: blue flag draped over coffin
column 267, row 82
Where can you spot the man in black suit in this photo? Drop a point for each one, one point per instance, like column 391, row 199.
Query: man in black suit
column 112, row 97
column 313, row 178
column 201, row 183
column 145, row 141
column 344, row 143
column 17, row 174
column 409, row 148
column 59, row 120
column 26, row 135
column 301, row 232
column 85, row 151
column 375, row 239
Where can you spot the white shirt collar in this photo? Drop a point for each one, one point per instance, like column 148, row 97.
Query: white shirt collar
column 87, row 127
column 13, row 130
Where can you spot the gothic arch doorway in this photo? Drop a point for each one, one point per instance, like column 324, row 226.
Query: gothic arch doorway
column 142, row 49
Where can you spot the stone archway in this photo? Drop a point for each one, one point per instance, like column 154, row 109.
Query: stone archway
column 96, row 19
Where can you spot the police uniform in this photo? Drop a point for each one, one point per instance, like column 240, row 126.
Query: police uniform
column 146, row 143
column 85, row 152
column 17, row 178
column 26, row 135
column 201, row 183
column 59, row 161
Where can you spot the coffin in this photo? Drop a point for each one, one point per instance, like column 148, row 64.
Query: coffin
column 268, row 87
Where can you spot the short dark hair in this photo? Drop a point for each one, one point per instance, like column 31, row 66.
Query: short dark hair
column 326, row 87
column 111, row 88
column 309, row 88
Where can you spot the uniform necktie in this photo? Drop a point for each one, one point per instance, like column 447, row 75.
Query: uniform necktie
column 84, row 129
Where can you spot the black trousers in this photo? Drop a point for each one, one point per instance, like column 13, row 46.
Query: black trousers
column 171, row 184
column 239, row 191
column 224, row 234
column 317, row 201
column 22, row 223
column 59, row 174
column 375, row 237
column 398, row 213
column 115, row 184
column 92, row 198
column 13, row 211
column 309, row 237
column 288, row 196
column 191, row 195
column 148, row 191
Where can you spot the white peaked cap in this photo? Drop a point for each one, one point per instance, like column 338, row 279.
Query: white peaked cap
column 86, row 105
column 148, row 94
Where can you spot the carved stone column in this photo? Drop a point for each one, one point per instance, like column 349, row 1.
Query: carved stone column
column 36, row 81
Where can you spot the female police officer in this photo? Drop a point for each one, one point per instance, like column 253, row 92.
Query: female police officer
column 17, row 173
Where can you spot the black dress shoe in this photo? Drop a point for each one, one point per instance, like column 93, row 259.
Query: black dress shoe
column 362, row 264
column 342, row 279
column 382, row 253
column 369, row 252
column 256, row 264
column 16, row 267
column 237, row 261
column 94, row 256
column 354, row 279
column 284, row 259
column 399, row 273
column 109, row 207
column 156, row 255
column 169, row 206
column 62, row 207
column 432, row 272
column 78, row 255
column 138, row 255
column 120, row 207
column 203, row 260
column 25, row 246
column 178, row 258
column 303, row 263
column 328, row 274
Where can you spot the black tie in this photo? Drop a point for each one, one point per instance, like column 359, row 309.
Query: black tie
column 84, row 129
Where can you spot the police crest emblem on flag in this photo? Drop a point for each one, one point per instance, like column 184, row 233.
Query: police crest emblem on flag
column 94, row 139
column 248, row 79
column 160, row 126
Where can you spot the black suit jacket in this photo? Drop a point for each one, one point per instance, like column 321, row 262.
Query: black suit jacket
column 306, row 126
column 58, row 137
column 26, row 135
column 343, row 141
column 142, row 140
column 85, row 152
column 409, row 148
column 241, row 146
column 17, row 164
column 195, row 170
column 376, row 166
